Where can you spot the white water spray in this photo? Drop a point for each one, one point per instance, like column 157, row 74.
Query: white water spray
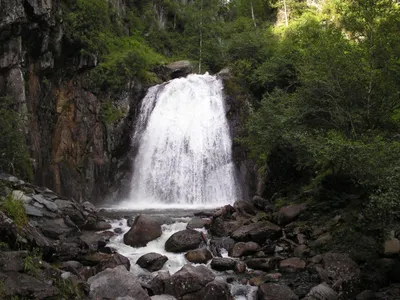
column 184, row 147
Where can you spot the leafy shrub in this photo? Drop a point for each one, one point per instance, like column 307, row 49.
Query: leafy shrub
column 15, row 210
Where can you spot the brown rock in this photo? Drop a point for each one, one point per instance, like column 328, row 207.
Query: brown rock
column 198, row 256
column 301, row 251
column 289, row 213
column 242, row 249
column 273, row 291
column 144, row 230
column 152, row 261
column 184, row 240
column 392, row 247
column 263, row 264
column 257, row 232
column 240, row 267
column 293, row 264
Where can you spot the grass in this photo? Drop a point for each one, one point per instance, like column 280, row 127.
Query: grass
column 15, row 210
column 32, row 263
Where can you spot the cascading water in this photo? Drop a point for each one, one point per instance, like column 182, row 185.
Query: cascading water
column 184, row 146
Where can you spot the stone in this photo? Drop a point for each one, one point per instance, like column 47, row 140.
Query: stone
column 344, row 273
column 12, row 261
column 225, row 73
column 55, row 228
column 152, row 261
column 184, row 240
column 180, row 68
column 222, row 228
column 20, row 195
column 162, row 297
column 262, row 264
column 72, row 266
column 118, row 230
column 391, row 247
column 198, row 256
column 218, row 244
column 216, row 290
column 301, row 251
column 48, row 204
column 102, row 225
column 244, row 207
column 322, row 292
column 156, row 285
column 187, row 280
column 366, row 295
column 289, row 213
column 144, row 229
column 321, row 241
column 240, row 267
column 8, row 230
column 102, row 261
column 292, row 264
column 257, row 232
column 117, row 282
column 262, row 204
column 33, row 211
column 198, row 223
column 243, row 249
column 223, row 264
column 273, row 291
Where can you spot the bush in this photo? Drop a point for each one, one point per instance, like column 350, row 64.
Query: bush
column 15, row 210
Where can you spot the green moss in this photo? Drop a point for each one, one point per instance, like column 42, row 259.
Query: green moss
column 15, row 210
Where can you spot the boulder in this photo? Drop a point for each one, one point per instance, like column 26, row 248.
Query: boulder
column 262, row 264
column 289, row 213
column 344, row 273
column 240, row 267
column 301, row 251
column 244, row 207
column 321, row 241
column 391, row 247
column 225, row 73
column 184, row 240
column 55, row 228
column 102, row 225
column 322, row 292
column 242, row 249
column 117, row 282
column 152, row 261
column 366, row 295
column 257, row 232
column 273, row 291
column 50, row 205
column 198, row 256
column 262, row 204
column 102, row 261
column 8, row 230
column 144, row 229
column 216, row 290
column 223, row 264
column 156, row 285
column 162, row 297
column 218, row 244
column 197, row 222
column 222, row 228
column 72, row 266
column 12, row 261
column 187, row 280
column 292, row 264
column 179, row 68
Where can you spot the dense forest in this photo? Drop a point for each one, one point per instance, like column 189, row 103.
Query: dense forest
column 319, row 82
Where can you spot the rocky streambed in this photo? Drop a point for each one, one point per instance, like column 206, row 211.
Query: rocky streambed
column 249, row 250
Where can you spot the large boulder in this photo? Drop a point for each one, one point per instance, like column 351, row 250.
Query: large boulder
column 273, row 291
column 184, row 240
column 292, row 264
column 198, row 256
column 180, row 68
column 322, row 292
column 262, row 264
column 218, row 244
column 257, row 232
column 216, row 290
column 262, row 204
column 12, row 260
column 117, row 282
column 244, row 207
column 242, row 249
column 221, row 228
column 289, row 213
column 344, row 273
column 152, row 261
column 102, row 261
column 188, row 280
column 223, row 264
column 144, row 229
column 197, row 222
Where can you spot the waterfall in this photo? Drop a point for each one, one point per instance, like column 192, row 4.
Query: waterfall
column 184, row 155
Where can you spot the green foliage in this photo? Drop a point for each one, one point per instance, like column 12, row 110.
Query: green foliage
column 32, row 262
column 15, row 210
column 14, row 155
column 68, row 289
column 110, row 114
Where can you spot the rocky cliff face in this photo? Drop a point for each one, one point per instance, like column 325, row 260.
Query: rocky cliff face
column 75, row 153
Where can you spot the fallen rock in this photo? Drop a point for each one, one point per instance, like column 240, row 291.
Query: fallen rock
column 366, row 295
column 292, row 264
column 222, row 228
column 8, row 230
column 262, row 264
column 144, row 229
column 156, row 285
column 244, row 207
column 322, row 292
column 262, row 204
column 187, row 280
column 102, row 225
column 198, row 256
column 12, row 261
column 289, row 213
column 184, row 240
column 152, row 261
column 223, row 264
column 117, row 282
column 273, row 291
column 243, row 249
column 55, row 228
column 257, row 232
column 102, row 261
column 198, row 223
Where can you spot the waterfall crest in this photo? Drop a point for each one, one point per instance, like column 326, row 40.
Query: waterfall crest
column 184, row 146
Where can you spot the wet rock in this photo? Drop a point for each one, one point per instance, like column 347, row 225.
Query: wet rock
column 244, row 207
column 257, row 232
column 198, row 223
column 225, row 73
column 322, row 292
column 118, row 230
column 55, row 228
column 380, row 272
column 117, row 282
column 102, row 225
column 222, row 228
column 344, row 272
column 152, row 261
column 223, row 264
column 216, row 290
column 12, row 261
column 48, row 204
column 243, row 249
column 72, row 266
column 273, row 291
column 301, row 251
column 289, row 213
column 162, row 297
column 293, row 264
column 217, row 244
column 95, row 240
column 187, row 280
column 144, row 229
column 391, row 247
column 262, row 264
column 262, row 204
column 8, row 230
column 102, row 261
column 180, row 68
column 240, row 267
column 184, row 240
column 33, row 211
column 156, row 286
column 198, row 256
